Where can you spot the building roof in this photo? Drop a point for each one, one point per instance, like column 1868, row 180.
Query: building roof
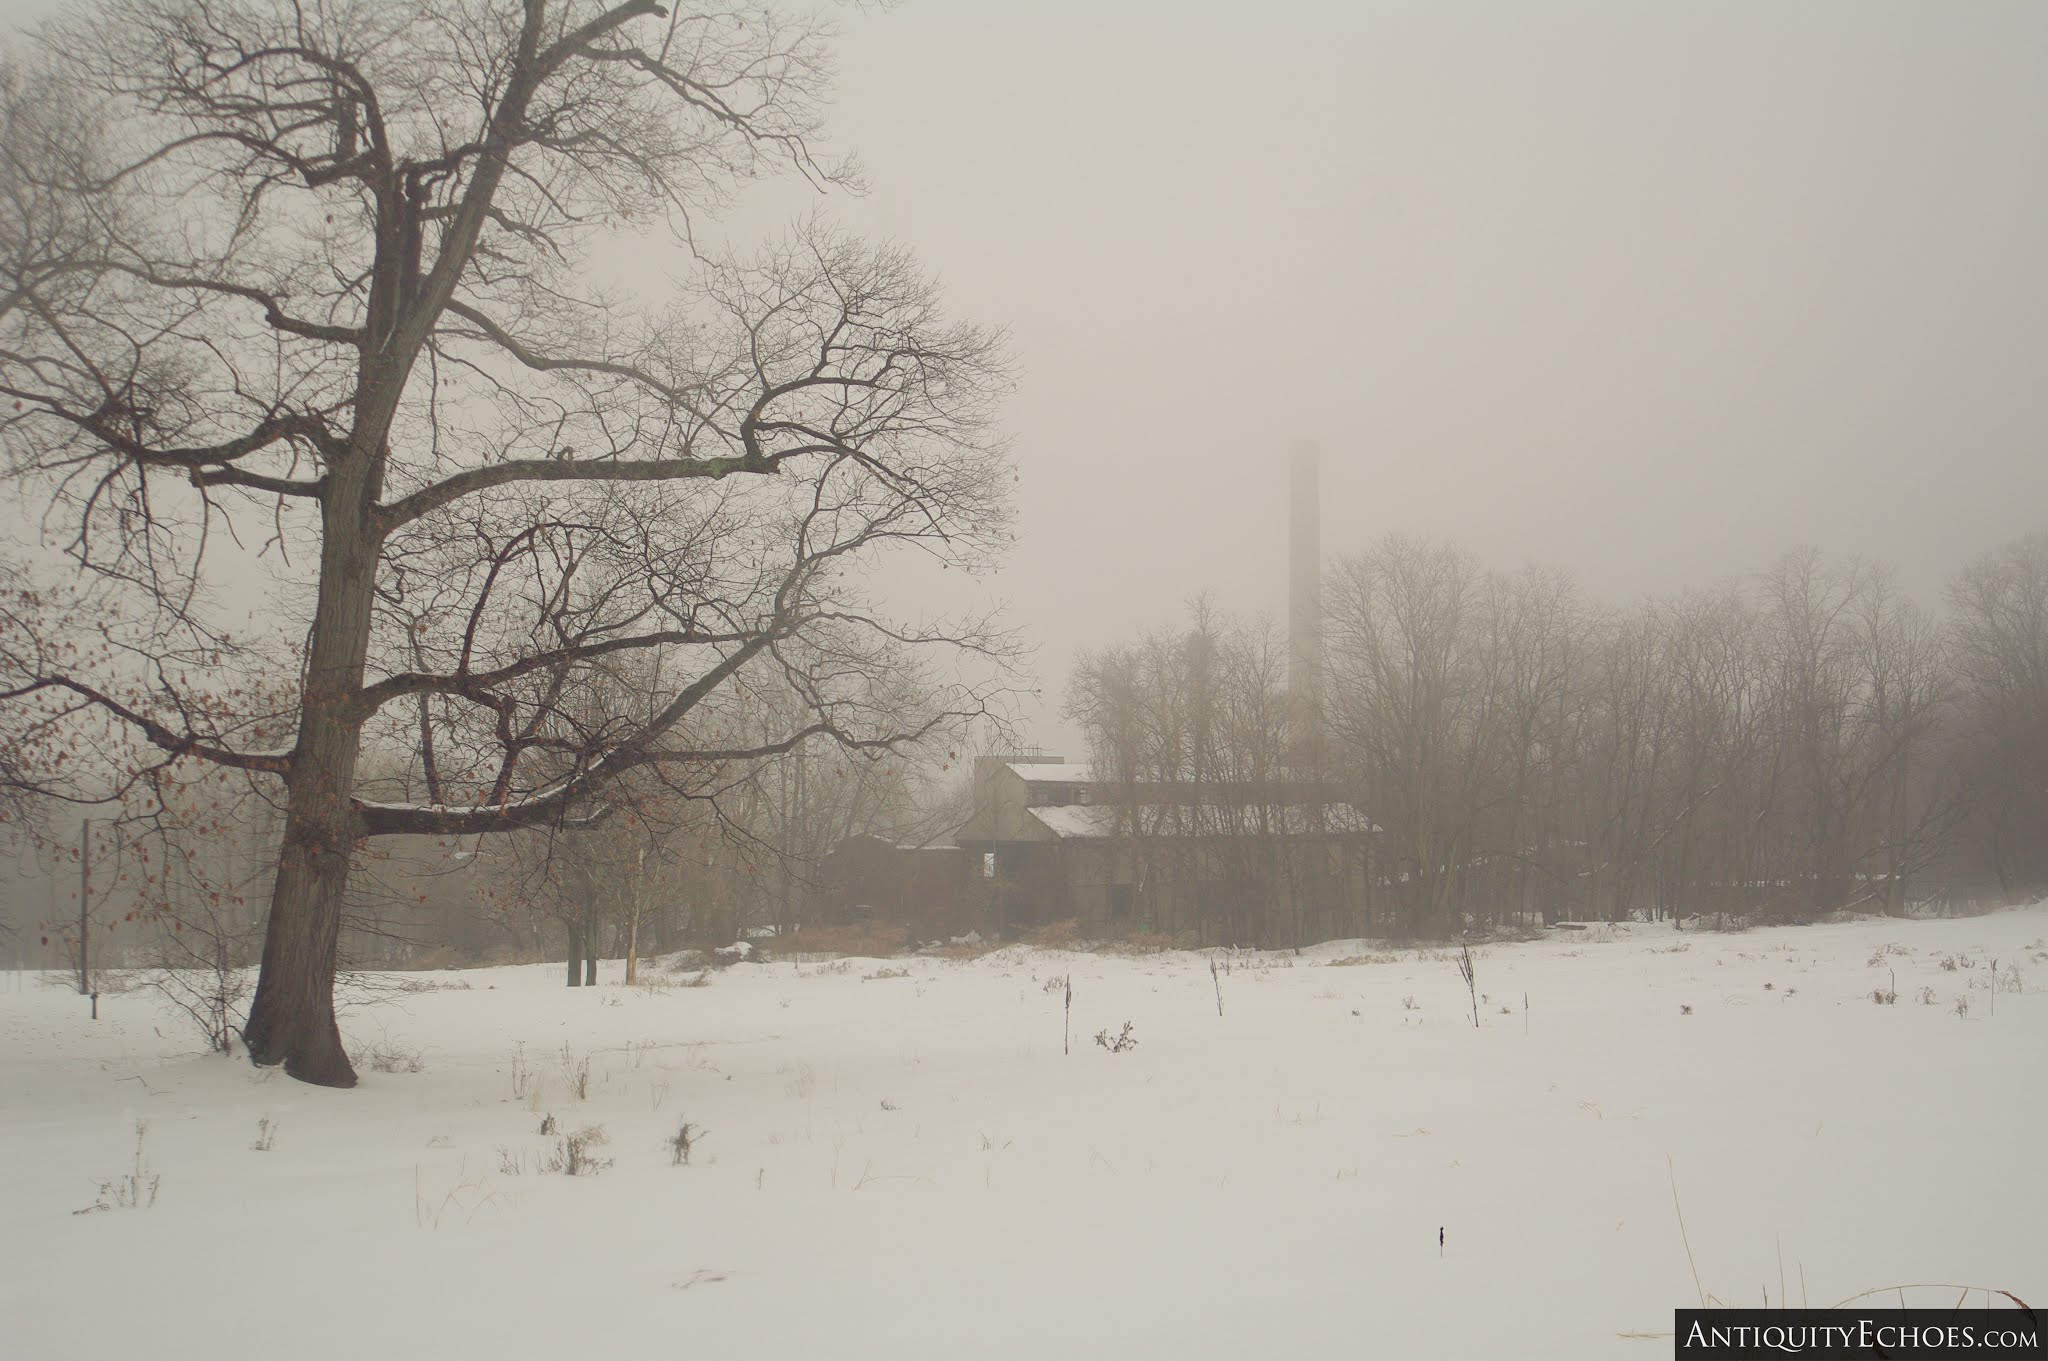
column 1054, row 772
column 1099, row 820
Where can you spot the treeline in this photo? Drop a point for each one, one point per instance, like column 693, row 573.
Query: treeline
column 677, row 867
column 1219, row 836
column 1806, row 740
column 182, row 868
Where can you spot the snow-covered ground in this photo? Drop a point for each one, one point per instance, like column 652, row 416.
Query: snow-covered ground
column 909, row 1166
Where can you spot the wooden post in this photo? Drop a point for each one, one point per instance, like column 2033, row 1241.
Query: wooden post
column 84, row 902
column 1067, row 1027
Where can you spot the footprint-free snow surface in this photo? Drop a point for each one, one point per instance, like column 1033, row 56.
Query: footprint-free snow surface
column 897, row 1159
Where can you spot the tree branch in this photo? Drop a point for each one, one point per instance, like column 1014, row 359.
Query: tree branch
column 407, row 509
column 176, row 743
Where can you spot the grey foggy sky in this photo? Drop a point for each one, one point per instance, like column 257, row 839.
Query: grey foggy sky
column 1651, row 292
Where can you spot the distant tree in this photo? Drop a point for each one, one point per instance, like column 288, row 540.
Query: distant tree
column 608, row 874
column 1624, row 751
column 1910, row 792
column 1543, row 623
column 1709, row 667
column 1414, row 665
column 320, row 278
column 1189, row 734
column 205, row 854
column 1999, row 609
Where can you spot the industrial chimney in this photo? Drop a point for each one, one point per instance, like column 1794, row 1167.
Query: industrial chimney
column 1305, row 607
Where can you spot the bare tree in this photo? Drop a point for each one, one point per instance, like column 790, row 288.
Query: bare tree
column 1625, row 746
column 1545, row 625
column 1109, row 700
column 1907, row 686
column 1708, row 668
column 1190, row 732
column 2000, row 619
column 1807, row 612
column 206, row 856
column 610, row 873
column 321, row 277
column 1414, row 667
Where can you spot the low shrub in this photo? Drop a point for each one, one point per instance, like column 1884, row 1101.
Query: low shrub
column 134, row 1189
column 1119, row 1042
column 960, row 949
column 1059, row 935
column 578, row 1160
column 1138, row 943
column 389, row 1056
column 682, row 1141
column 868, row 940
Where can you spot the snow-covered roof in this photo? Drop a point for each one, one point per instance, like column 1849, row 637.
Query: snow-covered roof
column 1066, row 773
column 1076, row 819
column 1164, row 819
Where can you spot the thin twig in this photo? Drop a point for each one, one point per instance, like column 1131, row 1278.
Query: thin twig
column 1682, row 1234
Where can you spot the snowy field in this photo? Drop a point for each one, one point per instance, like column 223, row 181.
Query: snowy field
column 897, row 1160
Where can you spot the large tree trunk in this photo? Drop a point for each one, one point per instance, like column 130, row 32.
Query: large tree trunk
column 291, row 1019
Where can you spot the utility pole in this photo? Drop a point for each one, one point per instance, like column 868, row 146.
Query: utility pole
column 84, row 914
column 84, row 896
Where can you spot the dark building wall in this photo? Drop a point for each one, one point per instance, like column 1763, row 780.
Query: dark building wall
column 929, row 888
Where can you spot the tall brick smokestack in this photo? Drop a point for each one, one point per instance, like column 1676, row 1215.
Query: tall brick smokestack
column 1305, row 604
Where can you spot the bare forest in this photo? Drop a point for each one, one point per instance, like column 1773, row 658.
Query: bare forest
column 1802, row 741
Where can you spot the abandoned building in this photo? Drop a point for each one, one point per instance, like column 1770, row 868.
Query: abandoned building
column 1213, row 864
column 1276, row 862
column 1048, row 842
